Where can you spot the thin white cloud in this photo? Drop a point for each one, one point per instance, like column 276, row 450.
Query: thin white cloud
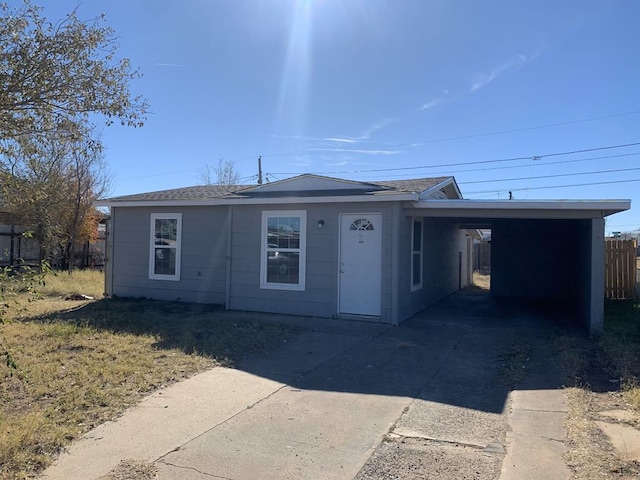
column 301, row 162
column 289, row 137
column 172, row 65
column 379, row 125
column 482, row 80
column 365, row 135
column 340, row 140
column 436, row 101
column 361, row 150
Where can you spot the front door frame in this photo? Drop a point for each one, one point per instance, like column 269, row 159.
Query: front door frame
column 380, row 216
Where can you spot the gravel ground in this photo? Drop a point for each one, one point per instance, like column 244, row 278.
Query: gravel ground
column 418, row 459
column 132, row 470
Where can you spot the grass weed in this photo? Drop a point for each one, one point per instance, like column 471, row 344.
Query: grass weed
column 81, row 363
column 481, row 281
column 613, row 362
column 620, row 344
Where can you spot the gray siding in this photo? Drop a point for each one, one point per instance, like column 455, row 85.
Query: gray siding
column 320, row 297
column 204, row 243
column 205, row 249
column 443, row 243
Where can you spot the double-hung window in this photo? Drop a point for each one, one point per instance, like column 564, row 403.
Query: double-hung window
column 165, row 245
column 416, row 254
column 283, row 250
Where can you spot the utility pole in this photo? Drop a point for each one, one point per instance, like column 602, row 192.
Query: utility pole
column 260, row 170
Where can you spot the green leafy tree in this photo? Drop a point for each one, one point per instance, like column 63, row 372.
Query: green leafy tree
column 53, row 76
column 56, row 80
column 51, row 190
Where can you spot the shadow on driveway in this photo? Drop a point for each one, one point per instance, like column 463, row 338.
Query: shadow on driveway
column 467, row 351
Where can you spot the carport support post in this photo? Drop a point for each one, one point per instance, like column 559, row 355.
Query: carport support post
column 596, row 320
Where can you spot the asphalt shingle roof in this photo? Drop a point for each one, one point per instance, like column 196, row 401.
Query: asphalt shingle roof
column 412, row 185
column 210, row 192
column 201, row 192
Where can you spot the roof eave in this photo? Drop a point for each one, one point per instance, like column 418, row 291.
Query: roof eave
column 387, row 197
column 500, row 207
column 445, row 183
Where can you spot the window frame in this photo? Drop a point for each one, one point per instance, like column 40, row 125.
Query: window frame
column 152, row 246
column 419, row 252
column 301, row 250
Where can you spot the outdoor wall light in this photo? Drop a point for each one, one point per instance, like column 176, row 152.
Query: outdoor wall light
column 320, row 223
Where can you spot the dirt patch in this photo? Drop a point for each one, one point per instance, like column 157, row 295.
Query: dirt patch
column 481, row 281
column 419, row 459
column 132, row 470
column 591, row 454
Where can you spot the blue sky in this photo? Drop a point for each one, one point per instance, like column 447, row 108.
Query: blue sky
column 381, row 89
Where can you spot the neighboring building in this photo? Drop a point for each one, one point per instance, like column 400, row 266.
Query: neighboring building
column 328, row 247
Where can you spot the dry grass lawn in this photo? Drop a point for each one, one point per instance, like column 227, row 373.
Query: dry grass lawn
column 607, row 377
column 481, row 281
column 80, row 363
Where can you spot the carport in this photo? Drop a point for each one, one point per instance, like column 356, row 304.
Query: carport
column 547, row 250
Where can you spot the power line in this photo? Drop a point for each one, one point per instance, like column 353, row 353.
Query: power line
column 475, row 162
column 461, row 137
column 558, row 186
column 541, row 164
column 515, row 130
column 618, row 170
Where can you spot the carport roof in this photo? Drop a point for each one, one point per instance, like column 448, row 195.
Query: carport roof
column 495, row 209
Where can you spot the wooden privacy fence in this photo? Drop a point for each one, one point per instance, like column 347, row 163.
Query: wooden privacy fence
column 482, row 257
column 620, row 269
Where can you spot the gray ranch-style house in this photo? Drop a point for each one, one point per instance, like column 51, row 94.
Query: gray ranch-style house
column 327, row 247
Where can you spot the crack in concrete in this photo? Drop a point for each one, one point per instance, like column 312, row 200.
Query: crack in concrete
column 161, row 458
column 422, row 388
column 285, row 385
column 538, row 410
column 439, row 440
column 417, row 393
column 194, row 469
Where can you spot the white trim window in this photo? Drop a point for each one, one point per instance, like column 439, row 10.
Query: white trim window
column 283, row 249
column 416, row 254
column 165, row 246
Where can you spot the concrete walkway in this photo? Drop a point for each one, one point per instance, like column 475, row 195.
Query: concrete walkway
column 321, row 406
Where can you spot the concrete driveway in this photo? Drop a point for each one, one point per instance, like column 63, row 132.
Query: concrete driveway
column 432, row 398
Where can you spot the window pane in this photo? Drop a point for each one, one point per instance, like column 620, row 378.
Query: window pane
column 165, row 261
column 283, row 267
column 283, row 232
column 166, row 231
column 417, row 277
column 417, row 236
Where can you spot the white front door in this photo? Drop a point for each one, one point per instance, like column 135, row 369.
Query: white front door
column 360, row 264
